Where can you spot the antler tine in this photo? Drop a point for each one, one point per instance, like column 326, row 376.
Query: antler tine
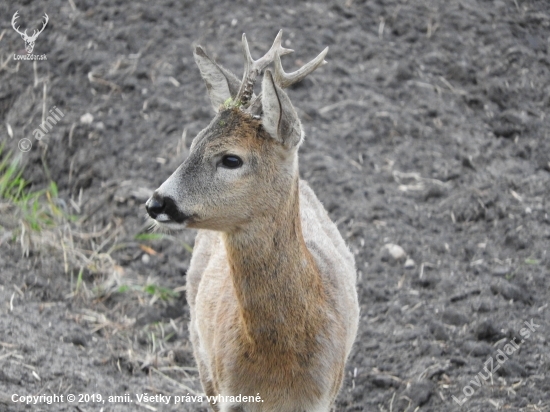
column 35, row 32
column 254, row 67
column 285, row 80
column 13, row 20
column 262, row 63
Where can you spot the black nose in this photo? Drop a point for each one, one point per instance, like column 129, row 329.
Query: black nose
column 155, row 206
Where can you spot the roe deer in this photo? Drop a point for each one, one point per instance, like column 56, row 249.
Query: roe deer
column 271, row 284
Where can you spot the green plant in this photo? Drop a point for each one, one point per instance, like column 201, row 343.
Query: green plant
column 230, row 102
column 160, row 291
column 531, row 261
column 78, row 281
column 11, row 182
column 36, row 210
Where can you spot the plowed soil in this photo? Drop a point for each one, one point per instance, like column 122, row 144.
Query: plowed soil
column 427, row 140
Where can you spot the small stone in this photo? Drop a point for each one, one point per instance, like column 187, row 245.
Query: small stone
column 86, row 118
column 145, row 258
column 395, row 251
column 409, row 264
column 501, row 271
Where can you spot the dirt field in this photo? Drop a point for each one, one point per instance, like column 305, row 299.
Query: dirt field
column 428, row 129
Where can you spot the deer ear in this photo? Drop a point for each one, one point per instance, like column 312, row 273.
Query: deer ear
column 221, row 84
column 279, row 118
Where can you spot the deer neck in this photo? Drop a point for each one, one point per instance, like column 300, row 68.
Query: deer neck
column 276, row 280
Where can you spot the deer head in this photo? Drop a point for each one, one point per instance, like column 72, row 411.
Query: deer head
column 243, row 164
column 29, row 40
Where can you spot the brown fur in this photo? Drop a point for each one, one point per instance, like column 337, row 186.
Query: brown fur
column 271, row 284
column 266, row 317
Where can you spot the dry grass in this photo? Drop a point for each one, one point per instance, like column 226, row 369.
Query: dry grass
column 42, row 224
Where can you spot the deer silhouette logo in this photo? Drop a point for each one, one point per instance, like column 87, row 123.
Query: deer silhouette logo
column 29, row 40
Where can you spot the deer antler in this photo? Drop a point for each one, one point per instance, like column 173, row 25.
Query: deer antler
column 254, row 67
column 285, row 80
column 14, row 18
column 36, row 33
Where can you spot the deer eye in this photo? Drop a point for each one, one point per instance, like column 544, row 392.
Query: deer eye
column 231, row 162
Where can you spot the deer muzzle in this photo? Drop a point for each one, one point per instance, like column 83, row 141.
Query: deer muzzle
column 164, row 210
